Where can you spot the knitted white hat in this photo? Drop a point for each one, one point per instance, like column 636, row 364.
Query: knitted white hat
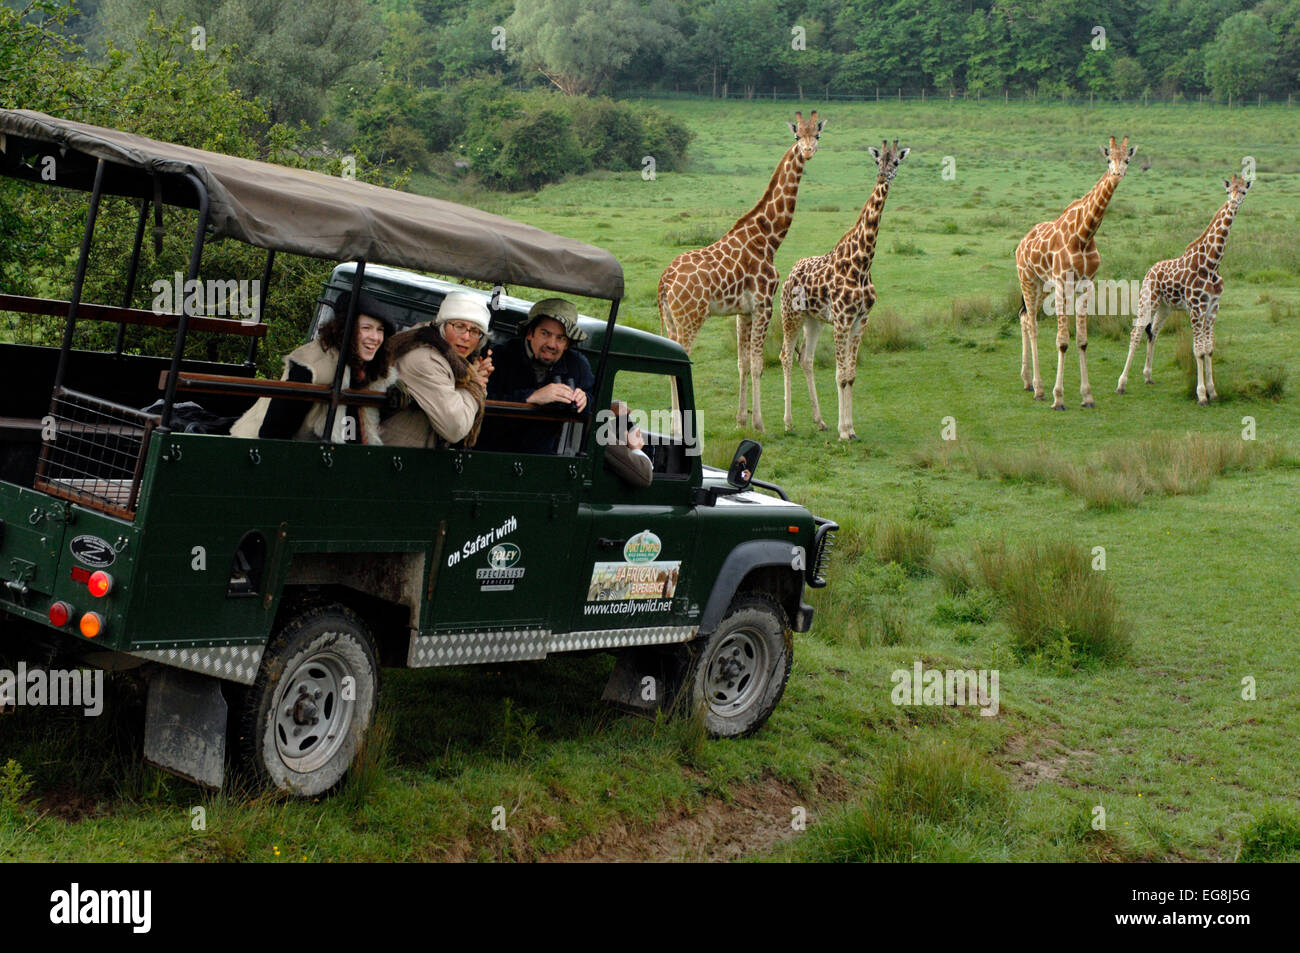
column 460, row 306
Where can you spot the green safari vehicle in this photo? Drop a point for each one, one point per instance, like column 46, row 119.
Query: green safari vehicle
column 259, row 586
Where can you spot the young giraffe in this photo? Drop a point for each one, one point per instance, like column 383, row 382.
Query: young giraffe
column 1062, row 254
column 836, row 288
column 1191, row 283
column 735, row 274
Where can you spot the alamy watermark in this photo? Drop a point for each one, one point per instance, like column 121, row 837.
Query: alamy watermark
column 1108, row 296
column 656, row 426
column 75, row 688
column 932, row 686
column 210, row 297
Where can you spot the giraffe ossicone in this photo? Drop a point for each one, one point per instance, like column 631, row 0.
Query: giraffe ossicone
column 836, row 288
column 1188, row 283
column 736, row 274
column 1060, row 251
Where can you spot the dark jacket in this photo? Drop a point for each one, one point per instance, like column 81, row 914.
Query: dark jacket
column 514, row 377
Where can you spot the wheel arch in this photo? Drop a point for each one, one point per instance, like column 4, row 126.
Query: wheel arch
column 760, row 565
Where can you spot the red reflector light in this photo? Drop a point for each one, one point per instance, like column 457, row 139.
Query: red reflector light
column 91, row 625
column 60, row 613
column 79, row 574
column 99, row 584
column 792, row 529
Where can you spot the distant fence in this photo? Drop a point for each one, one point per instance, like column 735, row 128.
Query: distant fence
column 884, row 95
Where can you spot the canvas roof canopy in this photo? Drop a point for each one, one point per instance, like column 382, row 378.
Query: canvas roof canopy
column 307, row 213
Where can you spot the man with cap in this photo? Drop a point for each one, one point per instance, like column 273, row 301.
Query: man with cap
column 541, row 368
column 442, row 377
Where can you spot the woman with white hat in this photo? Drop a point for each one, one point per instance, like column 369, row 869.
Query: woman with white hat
column 442, row 375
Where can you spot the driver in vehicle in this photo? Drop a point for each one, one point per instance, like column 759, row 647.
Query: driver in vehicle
column 541, row 368
column 442, row 379
column 626, row 456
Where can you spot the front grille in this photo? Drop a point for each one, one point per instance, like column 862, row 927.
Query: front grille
column 94, row 452
column 823, row 543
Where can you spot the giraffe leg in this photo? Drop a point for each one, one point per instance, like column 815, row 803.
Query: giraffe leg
column 1030, row 298
column 789, row 333
column 1198, row 349
column 1141, row 326
column 812, row 329
column 757, row 340
column 1211, row 313
column 1062, row 345
column 1153, row 332
column 1081, row 339
column 845, row 371
column 743, row 322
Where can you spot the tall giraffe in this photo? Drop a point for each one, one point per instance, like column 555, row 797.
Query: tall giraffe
column 836, row 288
column 1190, row 283
column 735, row 274
column 1062, row 254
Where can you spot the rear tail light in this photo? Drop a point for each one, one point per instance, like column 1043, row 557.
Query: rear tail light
column 60, row 613
column 91, row 624
column 100, row 584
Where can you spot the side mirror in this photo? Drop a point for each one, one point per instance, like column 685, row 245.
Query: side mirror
column 744, row 463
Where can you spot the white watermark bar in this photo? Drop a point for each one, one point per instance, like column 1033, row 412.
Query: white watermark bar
column 40, row 687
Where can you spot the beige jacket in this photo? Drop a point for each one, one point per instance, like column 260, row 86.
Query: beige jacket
column 439, row 409
column 321, row 363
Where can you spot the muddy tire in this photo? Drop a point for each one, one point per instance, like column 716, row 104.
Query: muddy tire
column 307, row 714
column 741, row 670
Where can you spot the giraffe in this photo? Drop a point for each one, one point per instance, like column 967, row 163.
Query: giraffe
column 1063, row 256
column 1190, row 283
column 836, row 288
column 735, row 275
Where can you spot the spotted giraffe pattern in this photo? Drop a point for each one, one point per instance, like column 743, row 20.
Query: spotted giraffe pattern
column 1189, row 283
column 836, row 288
column 1061, row 255
column 735, row 275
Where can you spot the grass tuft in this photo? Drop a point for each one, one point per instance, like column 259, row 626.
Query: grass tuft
column 1060, row 610
column 1274, row 835
column 934, row 802
column 887, row 331
column 909, row 544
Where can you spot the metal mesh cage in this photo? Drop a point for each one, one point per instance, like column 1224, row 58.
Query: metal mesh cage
column 94, row 452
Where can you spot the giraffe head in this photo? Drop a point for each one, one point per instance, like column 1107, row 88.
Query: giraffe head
column 1117, row 157
column 887, row 157
column 806, row 133
column 1237, row 188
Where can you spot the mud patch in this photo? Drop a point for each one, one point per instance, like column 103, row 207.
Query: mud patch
column 755, row 818
column 1046, row 762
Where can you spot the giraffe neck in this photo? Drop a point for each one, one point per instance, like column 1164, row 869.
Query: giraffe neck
column 859, row 243
column 1215, row 237
column 775, row 210
column 1092, row 207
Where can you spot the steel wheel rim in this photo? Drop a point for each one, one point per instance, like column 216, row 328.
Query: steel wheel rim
column 313, row 690
column 736, row 672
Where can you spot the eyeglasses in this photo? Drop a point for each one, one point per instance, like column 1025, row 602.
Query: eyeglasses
column 460, row 327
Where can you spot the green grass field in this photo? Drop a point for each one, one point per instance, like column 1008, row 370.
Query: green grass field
column 1157, row 689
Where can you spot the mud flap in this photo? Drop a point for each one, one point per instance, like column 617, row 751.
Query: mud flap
column 647, row 678
column 185, row 727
